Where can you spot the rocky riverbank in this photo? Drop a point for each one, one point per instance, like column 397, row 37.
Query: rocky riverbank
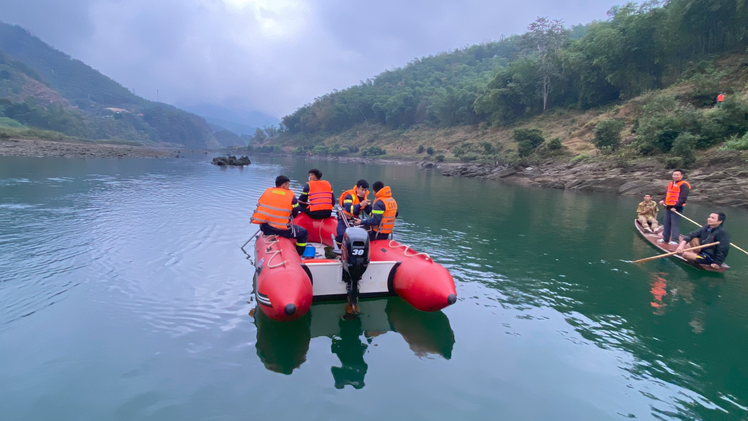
column 71, row 149
column 720, row 178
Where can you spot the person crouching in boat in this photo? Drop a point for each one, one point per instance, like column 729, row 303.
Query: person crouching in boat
column 353, row 203
column 317, row 199
column 383, row 213
column 275, row 208
column 647, row 214
column 711, row 232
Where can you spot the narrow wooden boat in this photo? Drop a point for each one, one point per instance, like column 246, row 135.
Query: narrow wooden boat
column 669, row 248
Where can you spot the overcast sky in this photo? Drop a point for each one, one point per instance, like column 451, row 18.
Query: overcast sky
column 271, row 56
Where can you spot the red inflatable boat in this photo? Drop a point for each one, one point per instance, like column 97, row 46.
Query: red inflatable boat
column 286, row 283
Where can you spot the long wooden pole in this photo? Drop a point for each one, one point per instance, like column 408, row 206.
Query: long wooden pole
column 673, row 252
column 691, row 220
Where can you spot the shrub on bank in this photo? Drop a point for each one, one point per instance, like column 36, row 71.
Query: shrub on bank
column 737, row 143
column 608, row 134
column 527, row 140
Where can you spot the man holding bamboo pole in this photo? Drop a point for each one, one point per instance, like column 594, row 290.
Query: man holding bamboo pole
column 709, row 233
column 677, row 194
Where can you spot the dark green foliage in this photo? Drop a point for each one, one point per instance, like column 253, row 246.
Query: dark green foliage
column 439, row 158
column 373, row 151
column 555, row 144
column 430, row 150
column 684, row 147
column 638, row 49
column 674, row 162
column 527, row 140
column 488, row 147
column 420, row 149
column 608, row 134
column 738, row 144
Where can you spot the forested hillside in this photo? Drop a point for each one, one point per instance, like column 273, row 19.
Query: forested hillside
column 638, row 49
column 43, row 88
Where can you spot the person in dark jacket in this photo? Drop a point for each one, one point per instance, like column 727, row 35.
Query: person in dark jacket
column 712, row 232
column 383, row 213
column 677, row 194
column 317, row 199
column 354, row 204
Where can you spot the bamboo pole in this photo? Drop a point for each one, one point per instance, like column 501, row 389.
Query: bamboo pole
column 673, row 252
column 691, row 220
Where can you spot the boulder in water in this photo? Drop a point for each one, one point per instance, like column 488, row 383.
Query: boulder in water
column 231, row 161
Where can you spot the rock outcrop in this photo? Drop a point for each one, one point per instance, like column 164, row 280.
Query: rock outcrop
column 720, row 178
column 231, row 161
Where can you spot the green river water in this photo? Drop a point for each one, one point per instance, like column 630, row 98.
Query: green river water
column 124, row 296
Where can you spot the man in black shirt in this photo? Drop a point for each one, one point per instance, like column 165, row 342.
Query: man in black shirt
column 709, row 233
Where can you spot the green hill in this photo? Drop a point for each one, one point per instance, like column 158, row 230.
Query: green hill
column 43, row 88
column 662, row 62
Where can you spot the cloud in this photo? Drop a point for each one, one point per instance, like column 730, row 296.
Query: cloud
column 270, row 55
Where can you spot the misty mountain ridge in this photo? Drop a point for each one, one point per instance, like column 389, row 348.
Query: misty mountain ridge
column 43, row 88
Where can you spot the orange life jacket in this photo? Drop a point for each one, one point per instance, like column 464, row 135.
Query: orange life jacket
column 274, row 208
column 720, row 98
column 673, row 192
column 347, row 206
column 388, row 214
column 320, row 196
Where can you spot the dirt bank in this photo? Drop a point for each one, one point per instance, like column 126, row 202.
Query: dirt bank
column 69, row 149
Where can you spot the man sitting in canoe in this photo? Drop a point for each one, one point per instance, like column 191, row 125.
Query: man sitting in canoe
column 709, row 233
column 647, row 214
column 317, row 199
column 383, row 213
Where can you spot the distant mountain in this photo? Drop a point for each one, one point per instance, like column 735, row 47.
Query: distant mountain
column 44, row 88
column 230, row 125
column 236, row 114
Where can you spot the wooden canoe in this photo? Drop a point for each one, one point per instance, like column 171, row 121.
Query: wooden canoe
column 669, row 248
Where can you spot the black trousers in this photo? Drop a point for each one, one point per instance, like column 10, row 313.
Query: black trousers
column 300, row 235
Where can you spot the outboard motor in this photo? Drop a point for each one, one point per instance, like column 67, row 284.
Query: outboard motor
column 355, row 257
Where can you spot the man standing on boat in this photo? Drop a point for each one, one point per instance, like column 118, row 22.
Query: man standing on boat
column 647, row 214
column 383, row 213
column 352, row 203
column 275, row 208
column 317, row 199
column 709, row 233
column 677, row 194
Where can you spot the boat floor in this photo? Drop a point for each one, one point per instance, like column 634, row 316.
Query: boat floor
column 669, row 248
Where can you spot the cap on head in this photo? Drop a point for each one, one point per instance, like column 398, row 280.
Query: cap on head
column 362, row 183
column 317, row 173
column 378, row 185
column 281, row 180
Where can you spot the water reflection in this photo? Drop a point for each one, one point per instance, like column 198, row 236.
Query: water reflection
column 282, row 347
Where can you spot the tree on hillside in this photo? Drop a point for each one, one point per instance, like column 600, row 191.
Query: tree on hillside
column 545, row 38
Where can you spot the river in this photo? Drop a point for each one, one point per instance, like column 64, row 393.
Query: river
column 124, row 296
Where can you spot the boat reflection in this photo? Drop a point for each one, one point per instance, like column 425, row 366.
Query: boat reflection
column 282, row 347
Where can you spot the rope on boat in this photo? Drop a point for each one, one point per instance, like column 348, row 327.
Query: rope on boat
column 408, row 248
column 273, row 239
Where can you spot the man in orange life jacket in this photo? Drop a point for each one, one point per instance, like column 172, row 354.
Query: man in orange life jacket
column 383, row 213
column 352, row 203
column 275, row 208
column 317, row 199
column 677, row 194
